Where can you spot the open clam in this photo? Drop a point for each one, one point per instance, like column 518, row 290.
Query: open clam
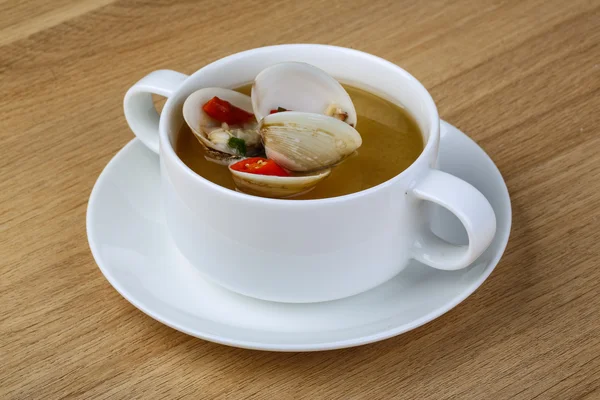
column 306, row 117
column 303, row 142
column 223, row 142
column 277, row 186
column 297, row 86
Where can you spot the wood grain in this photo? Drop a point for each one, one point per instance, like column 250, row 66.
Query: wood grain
column 522, row 78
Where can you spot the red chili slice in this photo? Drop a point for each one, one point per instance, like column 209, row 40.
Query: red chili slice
column 259, row 166
column 224, row 111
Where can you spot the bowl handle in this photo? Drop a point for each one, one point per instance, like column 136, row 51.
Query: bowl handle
column 139, row 108
column 471, row 208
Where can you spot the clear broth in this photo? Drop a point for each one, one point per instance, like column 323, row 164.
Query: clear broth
column 392, row 141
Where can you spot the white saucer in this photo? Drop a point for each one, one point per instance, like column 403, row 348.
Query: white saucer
column 130, row 243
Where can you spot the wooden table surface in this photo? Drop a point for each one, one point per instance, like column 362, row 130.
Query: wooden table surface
column 522, row 78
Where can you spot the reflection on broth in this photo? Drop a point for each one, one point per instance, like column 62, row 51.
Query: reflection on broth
column 391, row 141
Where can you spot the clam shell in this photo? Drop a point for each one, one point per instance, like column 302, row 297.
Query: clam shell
column 277, row 186
column 304, row 142
column 301, row 87
column 200, row 123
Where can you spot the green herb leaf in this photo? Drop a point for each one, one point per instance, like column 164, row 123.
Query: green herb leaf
column 237, row 144
column 280, row 109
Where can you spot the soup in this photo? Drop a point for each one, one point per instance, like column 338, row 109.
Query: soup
column 391, row 142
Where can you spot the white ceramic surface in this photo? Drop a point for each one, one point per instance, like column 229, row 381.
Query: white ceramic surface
column 316, row 250
column 127, row 234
